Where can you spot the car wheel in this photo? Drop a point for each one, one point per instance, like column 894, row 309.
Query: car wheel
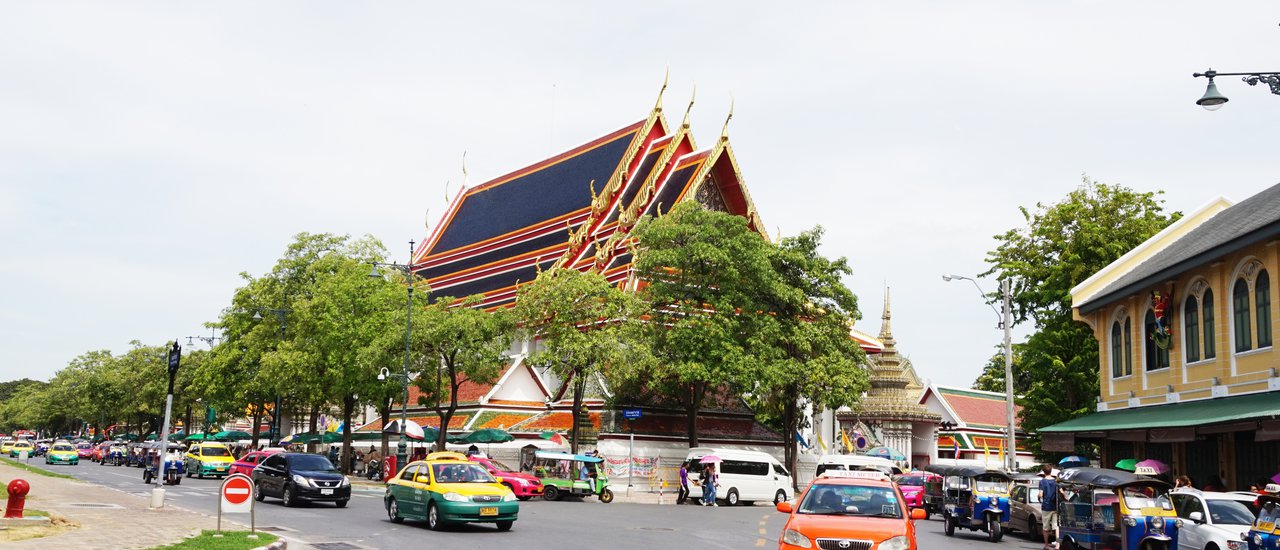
column 393, row 512
column 779, row 497
column 341, row 503
column 257, row 493
column 551, row 493
column 287, row 497
column 146, row 477
column 731, row 498
column 606, row 496
column 505, row 525
column 524, row 497
column 1033, row 530
column 948, row 526
column 433, row 517
column 993, row 529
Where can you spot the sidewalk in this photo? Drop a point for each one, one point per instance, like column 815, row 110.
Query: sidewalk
column 108, row 518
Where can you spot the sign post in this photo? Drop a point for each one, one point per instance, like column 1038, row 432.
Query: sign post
column 236, row 497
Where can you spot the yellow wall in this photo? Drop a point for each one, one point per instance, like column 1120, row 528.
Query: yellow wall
column 1249, row 369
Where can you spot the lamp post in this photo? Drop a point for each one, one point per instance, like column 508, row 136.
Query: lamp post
column 211, row 340
column 174, row 358
column 402, row 447
column 1006, row 323
column 1212, row 100
column 275, row 410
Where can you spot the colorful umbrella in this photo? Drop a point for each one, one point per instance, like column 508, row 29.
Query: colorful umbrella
column 555, row 437
column 1276, row 478
column 710, row 459
column 1128, row 464
column 1151, row 465
column 488, row 435
column 413, row 431
column 231, row 435
column 885, row 452
column 1073, row 462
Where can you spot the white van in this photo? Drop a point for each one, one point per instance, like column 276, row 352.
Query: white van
column 745, row 476
column 856, row 462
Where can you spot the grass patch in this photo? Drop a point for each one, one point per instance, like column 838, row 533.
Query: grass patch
column 230, row 540
column 33, row 469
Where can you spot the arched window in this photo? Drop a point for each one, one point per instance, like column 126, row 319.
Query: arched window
column 1262, row 300
column 1117, row 348
column 1156, row 358
column 1240, row 315
column 1191, row 328
column 1128, row 347
column 1206, row 303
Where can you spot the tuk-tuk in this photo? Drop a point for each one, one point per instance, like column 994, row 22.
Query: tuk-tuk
column 974, row 498
column 116, row 454
column 573, row 475
column 170, row 472
column 1264, row 535
column 1113, row 509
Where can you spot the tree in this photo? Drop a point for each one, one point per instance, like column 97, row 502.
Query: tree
column 1061, row 245
column 810, row 355
column 704, row 275
column 992, row 377
column 578, row 320
column 462, row 344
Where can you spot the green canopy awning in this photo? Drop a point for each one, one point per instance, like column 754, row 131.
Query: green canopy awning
column 1176, row 415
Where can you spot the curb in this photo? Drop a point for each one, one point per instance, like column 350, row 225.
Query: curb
column 277, row 545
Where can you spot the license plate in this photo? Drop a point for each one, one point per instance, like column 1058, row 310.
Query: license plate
column 326, row 491
column 489, row 511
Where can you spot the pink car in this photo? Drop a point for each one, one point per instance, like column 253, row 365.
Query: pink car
column 84, row 450
column 249, row 461
column 913, row 486
column 525, row 486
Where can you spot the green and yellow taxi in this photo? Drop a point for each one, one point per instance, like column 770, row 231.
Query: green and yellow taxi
column 448, row 491
column 62, row 453
column 22, row 446
column 7, row 446
column 208, row 459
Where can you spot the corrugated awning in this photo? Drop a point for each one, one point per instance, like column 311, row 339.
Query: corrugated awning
column 1256, row 406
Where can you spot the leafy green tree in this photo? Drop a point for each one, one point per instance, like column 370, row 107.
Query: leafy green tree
column 579, row 321
column 1061, row 245
column 705, row 274
column 992, row 377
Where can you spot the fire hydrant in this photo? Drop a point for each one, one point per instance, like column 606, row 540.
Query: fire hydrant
column 18, row 490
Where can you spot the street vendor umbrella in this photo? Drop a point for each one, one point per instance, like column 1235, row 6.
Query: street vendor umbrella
column 488, row 435
column 554, row 437
column 710, row 459
column 1276, row 478
column 413, row 429
column 232, row 435
column 1156, row 465
column 1128, row 464
column 194, row 437
column 153, row 437
column 128, row 437
column 885, row 452
column 1073, row 461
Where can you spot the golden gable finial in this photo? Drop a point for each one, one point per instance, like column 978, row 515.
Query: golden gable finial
column 464, row 169
column 666, row 77
column 446, row 191
column 690, row 107
column 724, row 132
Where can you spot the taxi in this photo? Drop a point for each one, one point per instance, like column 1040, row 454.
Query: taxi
column 7, row 446
column 850, row 509
column 62, row 453
column 208, row 459
column 447, row 490
column 20, row 446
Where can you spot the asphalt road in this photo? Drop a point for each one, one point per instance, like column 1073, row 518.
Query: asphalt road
column 551, row 525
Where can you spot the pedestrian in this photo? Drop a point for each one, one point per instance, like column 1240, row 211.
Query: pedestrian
column 683, row 492
column 472, row 451
column 709, row 486
column 1049, row 505
column 1182, row 481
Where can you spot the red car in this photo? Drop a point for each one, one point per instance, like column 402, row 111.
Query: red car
column 249, row 461
column 99, row 451
column 913, row 486
column 84, row 450
column 524, row 486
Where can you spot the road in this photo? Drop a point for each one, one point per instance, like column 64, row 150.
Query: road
column 552, row 525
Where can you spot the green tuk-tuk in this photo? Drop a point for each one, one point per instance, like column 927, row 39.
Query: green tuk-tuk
column 572, row 475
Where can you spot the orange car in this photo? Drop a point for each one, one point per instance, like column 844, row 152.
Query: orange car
column 861, row 510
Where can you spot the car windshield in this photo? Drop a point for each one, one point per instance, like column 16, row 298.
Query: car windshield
column 500, row 466
column 461, row 473
column 311, row 463
column 1230, row 512
column 851, row 500
column 1137, row 497
column 914, row 481
column 990, row 486
column 214, row 451
column 62, row 448
column 84, row 446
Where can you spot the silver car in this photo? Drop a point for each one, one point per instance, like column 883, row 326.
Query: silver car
column 1024, row 510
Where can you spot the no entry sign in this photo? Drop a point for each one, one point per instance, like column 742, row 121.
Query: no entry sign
column 236, row 495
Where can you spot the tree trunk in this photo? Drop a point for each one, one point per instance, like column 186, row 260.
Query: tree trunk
column 446, row 415
column 696, row 391
column 579, row 385
column 315, row 419
column 257, row 419
column 789, row 421
column 348, row 406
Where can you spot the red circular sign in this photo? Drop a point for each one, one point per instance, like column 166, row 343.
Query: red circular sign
column 236, row 490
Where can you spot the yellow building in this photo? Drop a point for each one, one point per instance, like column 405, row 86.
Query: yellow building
column 1187, row 367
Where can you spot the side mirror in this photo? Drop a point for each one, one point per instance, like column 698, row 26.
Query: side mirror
column 1196, row 517
column 421, row 479
column 497, row 479
column 918, row 513
column 785, row 507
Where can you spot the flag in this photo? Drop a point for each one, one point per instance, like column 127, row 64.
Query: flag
column 986, row 451
column 821, row 443
column 844, row 436
column 1002, row 451
column 801, row 441
column 955, row 446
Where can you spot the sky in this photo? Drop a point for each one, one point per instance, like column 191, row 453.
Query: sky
column 150, row 152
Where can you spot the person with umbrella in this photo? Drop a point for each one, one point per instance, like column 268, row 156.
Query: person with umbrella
column 709, row 479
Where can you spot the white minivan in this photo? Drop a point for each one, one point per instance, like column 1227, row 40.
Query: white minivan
column 745, row 476
column 857, row 462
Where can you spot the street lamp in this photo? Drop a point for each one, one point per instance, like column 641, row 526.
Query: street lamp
column 1006, row 323
column 211, row 340
column 402, row 447
column 275, row 410
column 174, row 359
column 1213, row 100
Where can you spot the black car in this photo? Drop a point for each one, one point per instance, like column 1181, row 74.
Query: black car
column 298, row 477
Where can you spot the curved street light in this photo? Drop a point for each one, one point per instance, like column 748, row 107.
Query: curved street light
column 1006, row 323
column 1212, row 100
column 402, row 447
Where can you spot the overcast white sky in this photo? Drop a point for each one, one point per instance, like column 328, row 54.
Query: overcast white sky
column 151, row 151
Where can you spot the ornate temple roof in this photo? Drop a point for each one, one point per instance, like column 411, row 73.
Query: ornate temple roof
column 889, row 397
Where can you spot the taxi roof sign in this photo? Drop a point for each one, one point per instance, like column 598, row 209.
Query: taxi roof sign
column 855, row 474
column 1145, row 471
column 1272, row 488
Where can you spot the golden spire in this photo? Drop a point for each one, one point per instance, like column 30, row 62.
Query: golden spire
column 885, row 331
column 724, row 132
column 692, row 97
column 666, row 77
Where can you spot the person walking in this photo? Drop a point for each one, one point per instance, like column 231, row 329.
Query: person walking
column 683, row 493
column 1182, row 481
column 1049, row 506
column 709, row 486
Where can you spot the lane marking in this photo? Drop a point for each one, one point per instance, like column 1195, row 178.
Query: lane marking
column 763, row 532
column 760, row 543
